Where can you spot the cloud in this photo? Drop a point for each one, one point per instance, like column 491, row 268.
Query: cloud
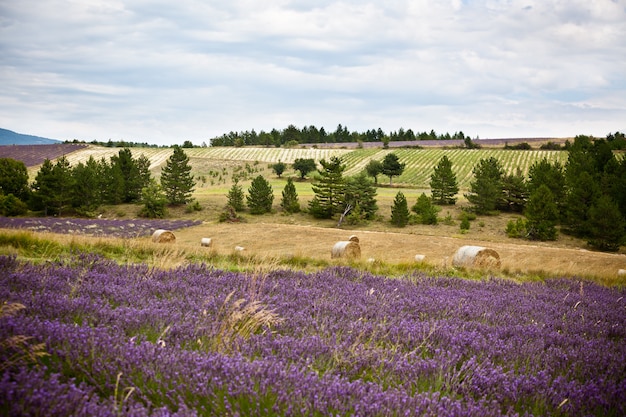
column 166, row 71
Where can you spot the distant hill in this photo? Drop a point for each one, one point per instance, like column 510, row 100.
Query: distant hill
column 8, row 137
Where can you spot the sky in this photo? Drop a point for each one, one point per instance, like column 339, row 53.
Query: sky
column 167, row 71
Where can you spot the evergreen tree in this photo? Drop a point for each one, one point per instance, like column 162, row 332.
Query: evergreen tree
column 112, row 177
column 86, row 194
column 14, row 178
column 290, row 203
column 236, row 197
column 542, row 215
column 130, row 174
column 486, row 189
column 392, row 166
column 443, row 184
column 400, row 211
column 328, row 189
column 43, row 197
column 582, row 195
column 260, row 196
column 606, row 225
column 515, row 192
column 544, row 172
column 154, row 201
column 373, row 169
column 304, row 166
column 143, row 172
column 425, row 209
column 176, row 178
column 361, row 193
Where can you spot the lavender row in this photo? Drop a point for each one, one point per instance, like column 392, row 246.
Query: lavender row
column 337, row 342
column 95, row 227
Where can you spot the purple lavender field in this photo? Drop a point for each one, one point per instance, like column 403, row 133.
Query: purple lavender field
column 131, row 340
column 94, row 227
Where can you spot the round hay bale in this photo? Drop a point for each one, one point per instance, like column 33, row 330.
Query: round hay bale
column 346, row 249
column 476, row 256
column 420, row 258
column 163, row 236
column 621, row 272
column 206, row 242
column 239, row 249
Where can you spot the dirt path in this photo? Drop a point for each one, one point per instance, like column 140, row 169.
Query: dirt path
column 274, row 240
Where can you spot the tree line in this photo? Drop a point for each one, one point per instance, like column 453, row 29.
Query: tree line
column 60, row 189
column 293, row 135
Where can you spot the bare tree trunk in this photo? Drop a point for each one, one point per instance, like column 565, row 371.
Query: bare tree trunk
column 343, row 215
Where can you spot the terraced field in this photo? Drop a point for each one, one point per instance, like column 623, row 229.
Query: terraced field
column 419, row 162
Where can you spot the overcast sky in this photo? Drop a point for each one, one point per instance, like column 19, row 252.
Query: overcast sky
column 166, row 71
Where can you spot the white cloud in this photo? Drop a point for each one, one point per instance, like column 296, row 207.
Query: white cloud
column 165, row 71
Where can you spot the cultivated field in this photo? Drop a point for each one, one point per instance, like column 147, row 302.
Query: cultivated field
column 419, row 162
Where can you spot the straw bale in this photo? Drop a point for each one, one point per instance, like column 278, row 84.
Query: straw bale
column 163, row 236
column 239, row 249
column 420, row 258
column 476, row 256
column 206, row 242
column 346, row 249
column 621, row 272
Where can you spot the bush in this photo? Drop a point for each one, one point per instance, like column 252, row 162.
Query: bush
column 12, row 206
column 425, row 209
column 465, row 223
column 154, row 201
column 517, row 228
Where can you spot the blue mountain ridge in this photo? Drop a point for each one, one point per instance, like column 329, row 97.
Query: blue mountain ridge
column 9, row 137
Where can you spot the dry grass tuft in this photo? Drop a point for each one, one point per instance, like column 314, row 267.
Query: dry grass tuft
column 17, row 349
column 240, row 319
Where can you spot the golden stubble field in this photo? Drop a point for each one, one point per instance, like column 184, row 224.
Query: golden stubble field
column 285, row 240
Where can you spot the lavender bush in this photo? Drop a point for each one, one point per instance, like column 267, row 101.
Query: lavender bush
column 132, row 340
column 95, row 227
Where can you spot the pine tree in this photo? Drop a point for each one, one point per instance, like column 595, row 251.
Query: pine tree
column 127, row 165
column 582, row 195
column 86, row 193
column 329, row 190
column 486, row 189
column 63, row 183
column 515, row 192
column 236, row 197
column 361, row 193
column 290, row 203
column 549, row 174
column 425, row 210
column 154, row 201
column 176, row 178
column 443, row 183
column 391, row 166
column 542, row 214
column 260, row 196
column 400, row 211
column 606, row 225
